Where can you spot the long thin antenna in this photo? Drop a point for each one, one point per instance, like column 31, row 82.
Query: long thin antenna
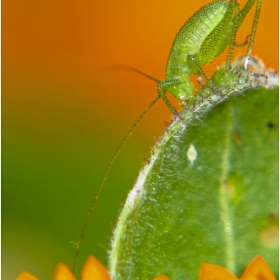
column 160, row 89
column 124, row 67
column 79, row 243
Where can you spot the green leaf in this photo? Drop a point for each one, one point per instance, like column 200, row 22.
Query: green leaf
column 209, row 194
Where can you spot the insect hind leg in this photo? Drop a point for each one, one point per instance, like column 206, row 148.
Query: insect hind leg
column 253, row 33
column 239, row 19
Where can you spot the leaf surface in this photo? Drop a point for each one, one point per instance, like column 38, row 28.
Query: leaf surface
column 209, row 194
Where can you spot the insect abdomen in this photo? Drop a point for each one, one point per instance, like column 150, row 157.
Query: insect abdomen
column 192, row 35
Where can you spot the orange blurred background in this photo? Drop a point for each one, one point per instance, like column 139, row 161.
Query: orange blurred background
column 65, row 110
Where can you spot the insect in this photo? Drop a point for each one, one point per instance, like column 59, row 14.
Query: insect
column 204, row 36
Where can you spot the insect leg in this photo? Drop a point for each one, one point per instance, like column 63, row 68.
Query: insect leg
column 253, row 32
column 232, row 43
column 242, row 44
column 243, row 13
column 161, row 92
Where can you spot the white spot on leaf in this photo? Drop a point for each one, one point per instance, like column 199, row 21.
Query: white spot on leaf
column 192, row 154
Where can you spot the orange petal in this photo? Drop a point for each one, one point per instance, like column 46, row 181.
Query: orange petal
column 215, row 272
column 62, row 272
column 94, row 270
column 26, row 276
column 162, row 277
column 258, row 269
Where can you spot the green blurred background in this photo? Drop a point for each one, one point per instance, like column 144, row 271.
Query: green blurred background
column 64, row 112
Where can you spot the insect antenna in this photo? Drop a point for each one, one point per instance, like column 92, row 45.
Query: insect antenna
column 160, row 89
column 119, row 148
column 125, row 67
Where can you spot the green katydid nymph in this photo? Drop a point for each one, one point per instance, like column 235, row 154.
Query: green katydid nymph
column 204, row 36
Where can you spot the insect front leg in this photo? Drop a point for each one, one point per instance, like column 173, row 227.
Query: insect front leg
column 162, row 90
